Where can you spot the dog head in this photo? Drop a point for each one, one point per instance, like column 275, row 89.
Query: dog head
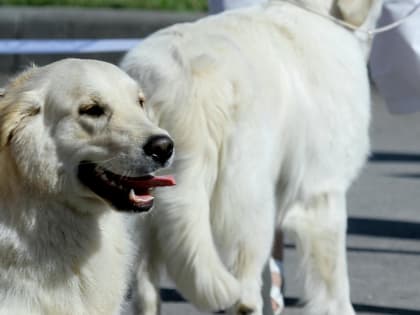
column 76, row 129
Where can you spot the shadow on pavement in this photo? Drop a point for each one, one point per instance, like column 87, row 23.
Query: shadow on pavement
column 383, row 251
column 171, row 295
column 383, row 228
column 395, row 157
column 363, row 308
column 384, row 310
column 406, row 175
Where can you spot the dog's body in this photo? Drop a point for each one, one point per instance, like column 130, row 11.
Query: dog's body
column 63, row 251
column 269, row 109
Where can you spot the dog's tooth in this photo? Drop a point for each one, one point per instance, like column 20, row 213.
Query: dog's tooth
column 132, row 195
column 103, row 176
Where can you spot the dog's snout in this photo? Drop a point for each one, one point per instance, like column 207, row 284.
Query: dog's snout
column 160, row 148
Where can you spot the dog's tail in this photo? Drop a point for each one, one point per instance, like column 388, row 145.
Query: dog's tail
column 189, row 251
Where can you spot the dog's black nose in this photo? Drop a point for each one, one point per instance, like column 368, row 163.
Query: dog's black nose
column 160, row 148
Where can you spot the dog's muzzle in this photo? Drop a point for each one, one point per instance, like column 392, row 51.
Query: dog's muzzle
column 122, row 192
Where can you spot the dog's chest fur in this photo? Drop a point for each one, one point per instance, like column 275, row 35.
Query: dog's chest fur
column 58, row 262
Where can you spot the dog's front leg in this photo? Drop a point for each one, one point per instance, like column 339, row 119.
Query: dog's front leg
column 187, row 246
column 244, row 228
column 146, row 297
column 250, row 266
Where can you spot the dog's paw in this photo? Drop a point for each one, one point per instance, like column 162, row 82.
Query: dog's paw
column 250, row 303
column 209, row 288
column 217, row 291
column 243, row 309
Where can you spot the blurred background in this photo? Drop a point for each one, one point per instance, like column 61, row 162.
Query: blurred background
column 177, row 5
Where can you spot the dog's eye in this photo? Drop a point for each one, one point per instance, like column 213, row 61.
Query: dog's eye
column 94, row 110
column 141, row 101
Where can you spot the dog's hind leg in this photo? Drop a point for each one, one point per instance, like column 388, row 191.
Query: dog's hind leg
column 319, row 224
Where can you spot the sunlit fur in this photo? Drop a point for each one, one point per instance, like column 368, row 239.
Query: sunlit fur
column 269, row 109
column 63, row 251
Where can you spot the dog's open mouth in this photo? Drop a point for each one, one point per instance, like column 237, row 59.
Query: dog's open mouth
column 124, row 193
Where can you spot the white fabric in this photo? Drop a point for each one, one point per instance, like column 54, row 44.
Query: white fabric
column 275, row 291
column 395, row 58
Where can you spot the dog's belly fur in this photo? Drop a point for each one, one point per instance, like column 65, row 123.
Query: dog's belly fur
column 270, row 111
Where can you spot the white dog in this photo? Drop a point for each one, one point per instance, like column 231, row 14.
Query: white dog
column 68, row 132
column 269, row 110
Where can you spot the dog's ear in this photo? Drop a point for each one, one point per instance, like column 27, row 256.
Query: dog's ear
column 16, row 104
column 12, row 112
column 9, row 119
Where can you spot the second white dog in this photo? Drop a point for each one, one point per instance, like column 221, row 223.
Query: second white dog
column 269, row 109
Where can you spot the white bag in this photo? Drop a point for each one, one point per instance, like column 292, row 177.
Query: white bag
column 395, row 58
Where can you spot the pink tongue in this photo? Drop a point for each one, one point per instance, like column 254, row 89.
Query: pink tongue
column 157, row 181
column 145, row 184
column 168, row 180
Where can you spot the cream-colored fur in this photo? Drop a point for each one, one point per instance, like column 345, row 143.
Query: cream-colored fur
column 355, row 11
column 269, row 109
column 63, row 250
column 360, row 14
